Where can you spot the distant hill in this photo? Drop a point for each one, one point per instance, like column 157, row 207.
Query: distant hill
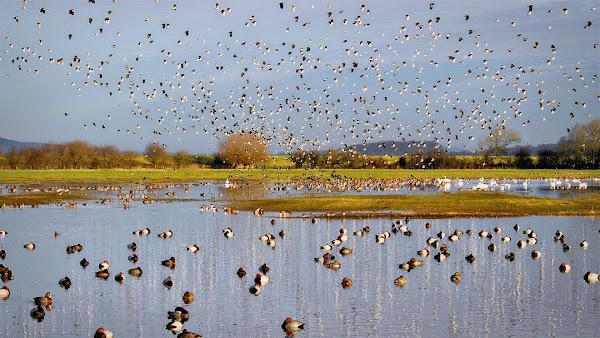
column 6, row 144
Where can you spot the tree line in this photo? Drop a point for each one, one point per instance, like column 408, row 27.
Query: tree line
column 580, row 149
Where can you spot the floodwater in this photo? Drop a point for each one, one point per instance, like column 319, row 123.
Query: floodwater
column 495, row 297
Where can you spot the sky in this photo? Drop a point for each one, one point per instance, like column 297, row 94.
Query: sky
column 306, row 75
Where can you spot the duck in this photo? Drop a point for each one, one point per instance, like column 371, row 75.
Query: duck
column 532, row 241
column 291, row 325
column 536, row 254
column 65, row 282
column 38, row 313
column 3, row 233
column 564, row 268
column 521, row 244
column 193, row 248
column 255, row 289
column 179, row 314
column 4, row 292
column 145, row 231
column 566, row 247
column 2, row 254
column 103, row 274
column 414, row 263
column 346, row 282
column 401, row 281
column 505, row 239
column 470, row 258
column 423, row 253
column 591, row 277
column 132, row 246
column 103, row 333
column 492, row 247
column 510, row 256
column 455, row 278
column 166, row 234
column 84, row 263
column 326, row 247
column 241, row 272
column 335, row 265
column 345, row 251
column 584, row 244
column 282, row 233
column 405, row 266
column 264, row 268
column 74, row 248
column 133, row 258
column 168, row 282
column 105, row 265
column 440, row 257
column 171, row 263
column 135, row 272
column 29, row 246
column 359, row 233
column 187, row 334
column 516, row 227
column 228, row 233
column 120, row 277
column 188, row 298
column 261, row 279
column 174, row 326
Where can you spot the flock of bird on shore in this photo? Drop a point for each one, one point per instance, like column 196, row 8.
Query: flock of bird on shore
column 329, row 75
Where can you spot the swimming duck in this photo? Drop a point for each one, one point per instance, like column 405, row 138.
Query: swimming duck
column 326, row 247
column 168, row 282
column 84, row 262
column 455, row 278
column 521, row 244
column 135, row 272
column 186, row 334
column 423, row 253
column 584, row 244
column 102, row 333
column 174, row 326
column 188, row 297
column 241, row 272
column 564, row 268
column 359, row 233
column 4, row 292
column 532, row 241
column 166, row 234
column 120, row 277
column 65, row 282
column 171, row 263
column 44, row 300
column 2, row 254
column 346, row 282
column 516, row 227
column 440, row 257
column 132, row 246
column 470, row 258
column 405, row 266
column 282, row 233
column 264, row 268
column 133, row 258
column 104, row 265
column 291, row 325
column 536, row 254
column 401, row 281
column 510, row 256
column 345, row 251
column 414, row 263
column 492, row 247
column 193, row 248
column 103, row 274
column 505, row 239
column 29, row 246
column 74, row 248
column 38, row 313
column 3, row 233
column 179, row 314
column 228, row 233
column 261, row 279
column 255, row 289
column 335, row 265
column 566, row 247
column 591, row 277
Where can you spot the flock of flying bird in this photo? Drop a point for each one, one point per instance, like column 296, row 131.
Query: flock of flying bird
column 312, row 76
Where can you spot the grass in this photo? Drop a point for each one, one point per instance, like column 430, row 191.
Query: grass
column 463, row 204
column 192, row 175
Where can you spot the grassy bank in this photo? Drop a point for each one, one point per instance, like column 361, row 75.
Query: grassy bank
column 463, row 204
column 190, row 175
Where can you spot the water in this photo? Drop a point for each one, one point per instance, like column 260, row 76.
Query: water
column 496, row 297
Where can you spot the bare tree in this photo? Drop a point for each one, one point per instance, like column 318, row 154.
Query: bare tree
column 498, row 140
column 182, row 159
column 157, row 155
column 582, row 144
column 243, row 149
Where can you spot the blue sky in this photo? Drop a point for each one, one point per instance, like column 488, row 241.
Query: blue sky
column 313, row 75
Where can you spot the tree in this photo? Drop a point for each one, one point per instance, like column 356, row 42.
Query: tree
column 498, row 140
column 524, row 160
column 182, row 159
column 243, row 149
column 157, row 155
column 582, row 145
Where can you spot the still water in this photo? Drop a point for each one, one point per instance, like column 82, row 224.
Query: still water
column 496, row 297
